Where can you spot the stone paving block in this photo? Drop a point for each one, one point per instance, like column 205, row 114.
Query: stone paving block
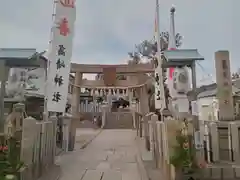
column 114, row 157
column 228, row 173
column 93, row 157
column 110, row 152
column 206, row 173
column 216, row 173
column 93, row 175
column 237, row 172
column 91, row 165
column 131, row 167
column 112, row 175
column 130, row 176
column 120, row 153
column 72, row 175
column 129, row 159
column 118, row 166
column 103, row 166
column 111, row 155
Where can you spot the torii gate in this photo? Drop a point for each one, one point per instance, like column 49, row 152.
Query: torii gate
column 110, row 83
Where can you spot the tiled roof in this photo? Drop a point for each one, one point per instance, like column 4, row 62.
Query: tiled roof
column 183, row 54
column 211, row 90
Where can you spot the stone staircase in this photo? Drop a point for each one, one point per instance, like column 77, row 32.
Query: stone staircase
column 119, row 120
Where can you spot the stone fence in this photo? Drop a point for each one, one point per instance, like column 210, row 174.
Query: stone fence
column 37, row 147
column 220, row 146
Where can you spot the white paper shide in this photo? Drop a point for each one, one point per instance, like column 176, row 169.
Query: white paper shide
column 60, row 55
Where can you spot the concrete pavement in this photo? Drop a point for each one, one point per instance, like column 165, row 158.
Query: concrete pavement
column 111, row 155
column 84, row 136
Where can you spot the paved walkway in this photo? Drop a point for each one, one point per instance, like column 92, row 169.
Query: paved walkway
column 84, row 136
column 111, row 155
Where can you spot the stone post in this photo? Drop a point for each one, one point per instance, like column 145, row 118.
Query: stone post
column 130, row 95
column 156, row 151
column 227, row 129
column 146, row 132
column 224, row 86
column 104, row 108
column 144, row 107
column 66, row 133
column 133, row 109
column 75, row 109
column 234, row 129
column 76, row 94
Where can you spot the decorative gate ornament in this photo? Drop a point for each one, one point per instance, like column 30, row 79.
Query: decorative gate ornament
column 109, row 76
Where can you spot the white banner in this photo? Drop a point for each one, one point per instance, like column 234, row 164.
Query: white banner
column 60, row 55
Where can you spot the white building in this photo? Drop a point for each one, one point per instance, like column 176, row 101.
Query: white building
column 208, row 102
column 30, row 82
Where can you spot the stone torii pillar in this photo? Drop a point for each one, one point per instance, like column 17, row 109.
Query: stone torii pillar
column 76, row 94
column 143, row 97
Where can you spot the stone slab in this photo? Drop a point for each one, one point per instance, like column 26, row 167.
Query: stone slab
column 73, row 175
column 92, row 175
column 110, row 175
column 130, row 176
column 104, row 166
column 111, row 155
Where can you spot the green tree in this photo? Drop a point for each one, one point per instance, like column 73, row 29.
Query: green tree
column 148, row 48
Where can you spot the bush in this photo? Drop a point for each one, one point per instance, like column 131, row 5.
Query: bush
column 10, row 163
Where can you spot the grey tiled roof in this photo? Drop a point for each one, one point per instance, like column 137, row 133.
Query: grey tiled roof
column 236, row 83
column 17, row 57
column 207, row 93
column 183, row 54
column 16, row 53
column 211, row 90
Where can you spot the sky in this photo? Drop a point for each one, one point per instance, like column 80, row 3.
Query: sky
column 106, row 30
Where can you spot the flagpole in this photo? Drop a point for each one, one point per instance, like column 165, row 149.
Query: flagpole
column 159, row 56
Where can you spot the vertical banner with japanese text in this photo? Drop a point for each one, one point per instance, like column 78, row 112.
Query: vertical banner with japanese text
column 159, row 89
column 60, row 55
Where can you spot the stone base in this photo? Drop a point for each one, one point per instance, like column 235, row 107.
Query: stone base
column 53, row 173
column 218, row 172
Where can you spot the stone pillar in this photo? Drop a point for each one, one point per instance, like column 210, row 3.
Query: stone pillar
column 144, row 107
column 224, row 86
column 227, row 131
column 133, row 109
column 130, row 95
column 66, row 133
column 75, row 110
column 234, row 129
column 76, row 94
column 213, row 130
column 104, row 109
